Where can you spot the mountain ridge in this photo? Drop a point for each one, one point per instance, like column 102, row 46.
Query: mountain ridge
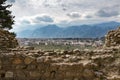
column 80, row 31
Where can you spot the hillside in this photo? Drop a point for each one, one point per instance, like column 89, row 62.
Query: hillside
column 82, row 31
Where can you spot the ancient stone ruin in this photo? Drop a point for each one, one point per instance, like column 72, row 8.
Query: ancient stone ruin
column 113, row 38
column 30, row 64
column 22, row 64
column 7, row 40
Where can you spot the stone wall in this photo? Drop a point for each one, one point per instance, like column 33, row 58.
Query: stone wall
column 22, row 64
column 113, row 38
column 7, row 40
column 30, row 64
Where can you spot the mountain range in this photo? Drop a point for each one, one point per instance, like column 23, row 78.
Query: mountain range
column 81, row 31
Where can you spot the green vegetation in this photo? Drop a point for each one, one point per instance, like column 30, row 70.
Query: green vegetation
column 6, row 19
column 7, row 39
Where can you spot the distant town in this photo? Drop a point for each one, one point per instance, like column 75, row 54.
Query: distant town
column 79, row 42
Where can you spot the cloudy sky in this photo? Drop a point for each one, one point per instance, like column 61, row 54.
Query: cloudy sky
column 33, row 13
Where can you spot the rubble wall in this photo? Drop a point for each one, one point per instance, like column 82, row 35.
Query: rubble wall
column 113, row 38
column 65, row 65
column 29, row 64
column 7, row 40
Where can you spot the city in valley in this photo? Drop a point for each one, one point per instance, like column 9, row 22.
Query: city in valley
column 59, row 39
column 61, row 43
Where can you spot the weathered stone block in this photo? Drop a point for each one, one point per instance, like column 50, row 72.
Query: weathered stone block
column 89, row 74
column 20, row 74
column 21, row 66
column 17, row 61
column 29, row 60
column 9, row 74
column 35, row 74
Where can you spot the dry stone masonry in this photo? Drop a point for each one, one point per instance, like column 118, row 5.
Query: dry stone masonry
column 29, row 64
column 113, row 38
column 19, row 64
column 7, row 40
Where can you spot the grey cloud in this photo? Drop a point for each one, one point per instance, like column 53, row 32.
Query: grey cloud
column 107, row 13
column 11, row 1
column 64, row 9
column 88, row 16
column 74, row 15
column 44, row 18
column 55, row 8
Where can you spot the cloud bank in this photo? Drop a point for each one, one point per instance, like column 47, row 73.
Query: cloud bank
column 63, row 12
